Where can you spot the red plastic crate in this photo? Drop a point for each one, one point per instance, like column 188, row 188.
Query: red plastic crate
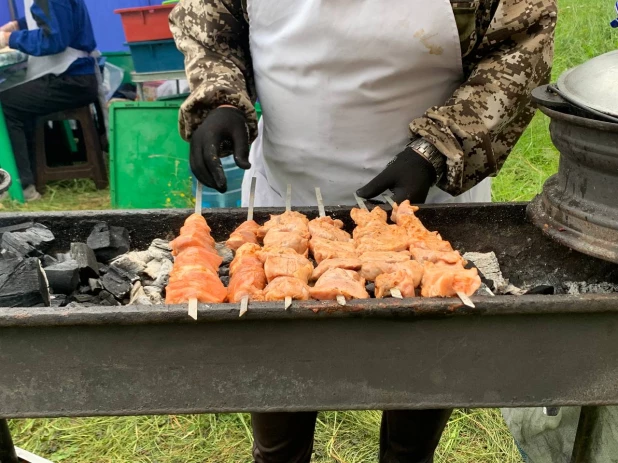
column 146, row 23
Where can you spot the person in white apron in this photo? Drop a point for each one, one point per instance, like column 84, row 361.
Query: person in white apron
column 59, row 39
column 345, row 88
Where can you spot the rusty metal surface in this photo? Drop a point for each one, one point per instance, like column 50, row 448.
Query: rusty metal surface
column 110, row 362
column 579, row 207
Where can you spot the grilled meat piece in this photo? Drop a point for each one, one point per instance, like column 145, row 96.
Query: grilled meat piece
column 282, row 287
column 339, row 282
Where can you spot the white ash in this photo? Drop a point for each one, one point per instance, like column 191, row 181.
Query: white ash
column 160, row 249
column 488, row 265
column 226, row 253
column 131, row 262
column 154, row 293
column 581, row 287
column 153, row 267
column 164, row 274
column 138, row 296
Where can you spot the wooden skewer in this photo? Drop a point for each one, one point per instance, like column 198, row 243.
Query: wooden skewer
column 360, row 202
column 389, row 200
column 341, row 300
column 244, row 303
column 198, row 210
column 396, row 293
column 288, row 302
column 288, row 199
column 318, row 195
column 465, row 299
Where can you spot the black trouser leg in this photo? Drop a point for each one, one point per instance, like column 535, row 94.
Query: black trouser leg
column 411, row 436
column 283, row 437
column 48, row 94
column 7, row 450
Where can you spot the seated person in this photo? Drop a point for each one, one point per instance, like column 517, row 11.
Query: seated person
column 58, row 37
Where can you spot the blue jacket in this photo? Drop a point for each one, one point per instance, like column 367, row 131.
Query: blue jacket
column 62, row 24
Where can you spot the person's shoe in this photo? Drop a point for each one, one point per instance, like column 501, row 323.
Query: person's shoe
column 30, row 193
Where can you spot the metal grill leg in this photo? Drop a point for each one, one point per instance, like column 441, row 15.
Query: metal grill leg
column 587, row 421
column 7, row 450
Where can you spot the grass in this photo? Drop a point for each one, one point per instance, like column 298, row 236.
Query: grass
column 472, row 436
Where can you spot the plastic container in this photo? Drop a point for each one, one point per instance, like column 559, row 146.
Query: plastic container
column 149, row 161
column 146, row 23
column 157, row 56
column 123, row 60
column 212, row 199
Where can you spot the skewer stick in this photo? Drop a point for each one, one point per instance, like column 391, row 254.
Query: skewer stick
column 288, row 199
column 341, row 300
column 465, row 299
column 360, row 202
column 244, row 303
column 389, row 200
column 318, row 195
column 396, row 293
column 288, row 302
column 198, row 210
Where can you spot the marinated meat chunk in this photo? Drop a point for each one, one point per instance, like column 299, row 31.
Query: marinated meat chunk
column 339, row 282
column 347, row 264
column 245, row 233
column 282, row 287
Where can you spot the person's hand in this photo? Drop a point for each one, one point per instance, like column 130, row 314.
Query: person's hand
column 4, row 39
column 10, row 27
column 408, row 176
column 224, row 132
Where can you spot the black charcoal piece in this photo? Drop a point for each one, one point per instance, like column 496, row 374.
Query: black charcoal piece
column 79, row 305
column 116, row 284
column 106, row 299
column 224, row 271
column 46, row 261
column 103, row 269
column 86, row 261
column 83, row 298
column 62, row 257
column 95, row 285
column 108, row 242
column 32, row 242
column 63, row 277
column 225, row 281
column 16, row 228
column 23, row 283
column 130, row 265
column 58, row 300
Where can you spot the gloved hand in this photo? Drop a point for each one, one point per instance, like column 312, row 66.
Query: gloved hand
column 408, row 176
column 224, row 132
column 4, row 39
column 10, row 27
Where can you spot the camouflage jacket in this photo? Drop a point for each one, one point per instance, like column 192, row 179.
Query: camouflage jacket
column 507, row 49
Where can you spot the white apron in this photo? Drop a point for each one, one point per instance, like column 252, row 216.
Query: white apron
column 339, row 82
column 39, row 66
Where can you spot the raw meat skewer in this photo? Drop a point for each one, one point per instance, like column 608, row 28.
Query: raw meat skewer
column 244, row 304
column 288, row 208
column 198, row 210
column 447, row 257
column 322, row 212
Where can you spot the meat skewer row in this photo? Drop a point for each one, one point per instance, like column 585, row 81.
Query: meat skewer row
column 285, row 253
column 195, row 274
column 445, row 274
column 247, row 277
column 333, row 281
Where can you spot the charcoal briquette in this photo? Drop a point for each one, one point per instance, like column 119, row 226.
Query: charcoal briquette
column 63, row 277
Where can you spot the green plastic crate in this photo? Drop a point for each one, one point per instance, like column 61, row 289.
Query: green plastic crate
column 122, row 59
column 149, row 161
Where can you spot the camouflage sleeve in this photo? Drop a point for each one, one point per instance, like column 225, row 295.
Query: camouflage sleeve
column 214, row 37
column 480, row 124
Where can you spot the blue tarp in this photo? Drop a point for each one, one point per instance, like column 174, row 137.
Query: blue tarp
column 107, row 26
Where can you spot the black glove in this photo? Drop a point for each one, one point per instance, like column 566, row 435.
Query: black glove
column 224, row 132
column 408, row 176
